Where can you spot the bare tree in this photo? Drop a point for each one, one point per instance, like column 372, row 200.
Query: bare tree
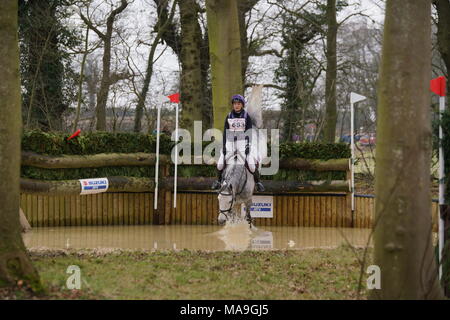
column 106, row 37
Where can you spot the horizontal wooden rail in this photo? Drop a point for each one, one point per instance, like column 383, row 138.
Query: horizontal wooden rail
column 129, row 184
column 73, row 187
column 91, row 161
column 149, row 159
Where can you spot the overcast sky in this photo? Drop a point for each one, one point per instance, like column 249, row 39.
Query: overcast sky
column 138, row 21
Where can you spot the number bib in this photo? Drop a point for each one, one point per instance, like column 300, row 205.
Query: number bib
column 237, row 124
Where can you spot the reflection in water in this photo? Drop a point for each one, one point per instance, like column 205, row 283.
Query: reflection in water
column 214, row 238
column 236, row 236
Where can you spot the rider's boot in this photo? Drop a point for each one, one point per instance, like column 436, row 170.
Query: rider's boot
column 216, row 185
column 258, row 184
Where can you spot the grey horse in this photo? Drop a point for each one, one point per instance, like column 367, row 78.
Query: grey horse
column 237, row 188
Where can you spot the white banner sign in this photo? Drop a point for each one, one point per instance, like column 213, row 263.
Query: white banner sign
column 262, row 207
column 90, row 186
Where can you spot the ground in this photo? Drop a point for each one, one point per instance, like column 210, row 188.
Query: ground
column 290, row 274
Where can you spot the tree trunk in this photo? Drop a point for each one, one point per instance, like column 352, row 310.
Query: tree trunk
column 402, row 235
column 81, row 80
column 225, row 55
column 191, row 77
column 330, row 81
column 244, row 6
column 14, row 262
column 102, row 96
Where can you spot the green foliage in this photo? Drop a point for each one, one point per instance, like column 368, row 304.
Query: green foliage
column 86, row 173
column 446, row 145
column 55, row 144
column 297, row 71
column 309, row 150
column 47, row 76
column 445, row 122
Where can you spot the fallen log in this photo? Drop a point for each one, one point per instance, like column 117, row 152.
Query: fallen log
column 315, row 165
column 129, row 184
column 66, row 187
column 92, row 161
column 149, row 159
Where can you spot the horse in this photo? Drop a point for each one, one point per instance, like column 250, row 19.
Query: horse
column 236, row 189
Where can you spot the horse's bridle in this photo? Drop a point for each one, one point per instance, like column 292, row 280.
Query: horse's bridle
column 231, row 202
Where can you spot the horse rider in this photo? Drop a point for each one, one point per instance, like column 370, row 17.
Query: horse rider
column 245, row 123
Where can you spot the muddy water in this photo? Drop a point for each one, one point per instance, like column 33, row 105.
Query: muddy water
column 213, row 238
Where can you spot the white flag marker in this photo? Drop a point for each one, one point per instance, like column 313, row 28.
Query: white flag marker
column 176, row 159
column 354, row 98
column 175, row 98
column 158, row 118
column 438, row 86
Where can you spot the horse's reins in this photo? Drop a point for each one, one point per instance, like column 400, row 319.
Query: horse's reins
column 231, row 194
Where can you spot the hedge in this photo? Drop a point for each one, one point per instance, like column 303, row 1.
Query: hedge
column 55, row 144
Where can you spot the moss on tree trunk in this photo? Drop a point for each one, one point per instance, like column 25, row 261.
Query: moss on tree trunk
column 330, row 81
column 14, row 262
column 402, row 238
column 225, row 55
column 191, row 81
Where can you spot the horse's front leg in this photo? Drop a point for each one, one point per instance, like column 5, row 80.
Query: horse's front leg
column 236, row 213
column 248, row 216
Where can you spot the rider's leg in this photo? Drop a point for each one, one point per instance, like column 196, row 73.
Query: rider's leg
column 216, row 185
column 248, row 216
column 220, row 167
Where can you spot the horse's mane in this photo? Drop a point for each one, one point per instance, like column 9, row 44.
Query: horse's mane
column 235, row 175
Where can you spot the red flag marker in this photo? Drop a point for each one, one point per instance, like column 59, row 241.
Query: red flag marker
column 174, row 98
column 437, row 85
column 76, row 134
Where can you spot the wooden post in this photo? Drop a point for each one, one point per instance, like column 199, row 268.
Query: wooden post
column 159, row 213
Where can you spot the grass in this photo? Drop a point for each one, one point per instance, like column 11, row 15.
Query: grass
column 290, row 274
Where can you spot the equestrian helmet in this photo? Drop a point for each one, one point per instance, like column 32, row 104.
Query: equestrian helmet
column 238, row 97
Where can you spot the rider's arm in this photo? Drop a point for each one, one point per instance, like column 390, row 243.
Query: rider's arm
column 248, row 126
column 224, row 140
column 248, row 123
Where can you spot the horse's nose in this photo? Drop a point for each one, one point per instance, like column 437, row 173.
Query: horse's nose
column 221, row 219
